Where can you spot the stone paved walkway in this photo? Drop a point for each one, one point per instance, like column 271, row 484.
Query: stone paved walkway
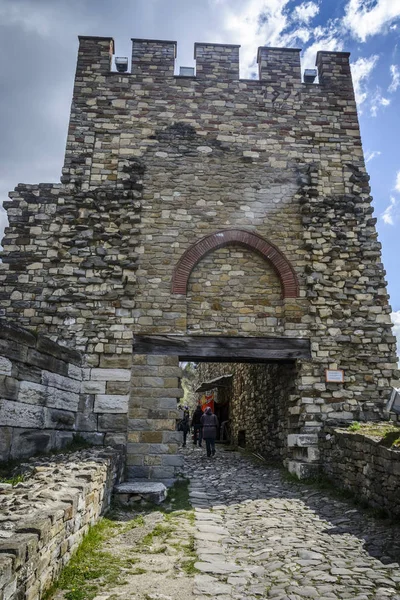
column 258, row 536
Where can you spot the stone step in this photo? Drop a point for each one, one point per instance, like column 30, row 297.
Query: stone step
column 136, row 490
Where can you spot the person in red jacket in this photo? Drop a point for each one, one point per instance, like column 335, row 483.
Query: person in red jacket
column 209, row 422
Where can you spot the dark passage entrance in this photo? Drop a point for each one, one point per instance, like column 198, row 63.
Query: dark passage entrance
column 252, row 402
column 263, row 373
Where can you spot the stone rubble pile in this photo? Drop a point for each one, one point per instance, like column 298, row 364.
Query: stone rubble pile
column 44, row 518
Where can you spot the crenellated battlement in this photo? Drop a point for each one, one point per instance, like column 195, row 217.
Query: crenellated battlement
column 217, row 62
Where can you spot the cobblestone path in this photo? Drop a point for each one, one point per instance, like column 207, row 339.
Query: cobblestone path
column 258, row 536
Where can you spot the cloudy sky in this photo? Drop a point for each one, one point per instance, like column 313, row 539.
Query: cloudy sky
column 38, row 44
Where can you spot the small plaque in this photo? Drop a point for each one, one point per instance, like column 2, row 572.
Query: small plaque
column 334, row 376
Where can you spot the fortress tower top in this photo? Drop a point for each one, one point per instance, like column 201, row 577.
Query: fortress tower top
column 156, row 58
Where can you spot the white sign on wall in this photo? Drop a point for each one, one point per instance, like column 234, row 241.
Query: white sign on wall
column 334, row 376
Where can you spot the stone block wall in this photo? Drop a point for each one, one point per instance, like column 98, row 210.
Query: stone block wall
column 46, row 396
column 44, row 519
column 234, row 292
column 362, row 465
column 259, row 401
column 69, row 262
column 153, row 442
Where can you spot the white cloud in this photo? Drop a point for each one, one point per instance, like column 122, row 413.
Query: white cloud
column 377, row 101
column 389, row 214
column 361, row 70
column 371, row 154
column 255, row 23
column 326, row 38
column 394, row 71
column 363, row 18
column 306, row 12
column 396, row 328
column 397, row 184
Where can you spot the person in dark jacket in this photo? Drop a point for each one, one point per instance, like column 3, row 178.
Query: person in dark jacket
column 184, row 425
column 197, row 426
column 209, row 422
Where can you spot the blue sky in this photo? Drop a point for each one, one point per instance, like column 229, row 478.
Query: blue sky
column 38, row 44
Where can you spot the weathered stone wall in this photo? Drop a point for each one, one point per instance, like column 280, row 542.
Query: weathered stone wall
column 69, row 264
column 44, row 519
column 152, row 437
column 154, row 163
column 259, row 400
column 234, row 292
column 364, row 466
column 46, row 397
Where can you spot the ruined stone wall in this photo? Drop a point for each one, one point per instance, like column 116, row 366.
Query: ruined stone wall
column 259, row 402
column 44, row 520
column 362, row 465
column 154, row 162
column 46, row 397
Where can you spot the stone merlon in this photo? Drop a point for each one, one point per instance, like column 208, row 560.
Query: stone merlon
column 213, row 61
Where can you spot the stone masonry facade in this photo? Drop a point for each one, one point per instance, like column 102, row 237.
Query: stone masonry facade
column 159, row 167
column 47, row 397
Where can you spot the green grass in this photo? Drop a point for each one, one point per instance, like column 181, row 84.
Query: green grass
column 388, row 433
column 159, row 531
column 188, row 567
column 91, row 569
column 355, row 426
column 178, row 496
column 13, row 480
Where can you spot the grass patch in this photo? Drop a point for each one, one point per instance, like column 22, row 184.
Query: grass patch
column 388, row 433
column 178, row 496
column 356, row 426
column 160, row 550
column 138, row 571
column 13, row 480
column 91, row 568
column 188, row 567
column 159, row 530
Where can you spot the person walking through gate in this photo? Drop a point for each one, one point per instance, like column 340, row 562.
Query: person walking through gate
column 209, row 422
column 184, row 425
column 196, row 424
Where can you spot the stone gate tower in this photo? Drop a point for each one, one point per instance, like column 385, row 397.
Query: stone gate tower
column 205, row 206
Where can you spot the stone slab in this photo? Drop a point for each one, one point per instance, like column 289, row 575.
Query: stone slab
column 110, row 375
column 107, row 403
column 147, row 490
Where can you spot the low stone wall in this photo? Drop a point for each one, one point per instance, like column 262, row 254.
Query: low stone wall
column 44, row 518
column 362, row 465
column 47, row 396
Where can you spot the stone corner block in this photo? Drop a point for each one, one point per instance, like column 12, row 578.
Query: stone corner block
column 302, row 440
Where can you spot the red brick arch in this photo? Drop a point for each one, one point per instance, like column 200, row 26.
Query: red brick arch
column 252, row 241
